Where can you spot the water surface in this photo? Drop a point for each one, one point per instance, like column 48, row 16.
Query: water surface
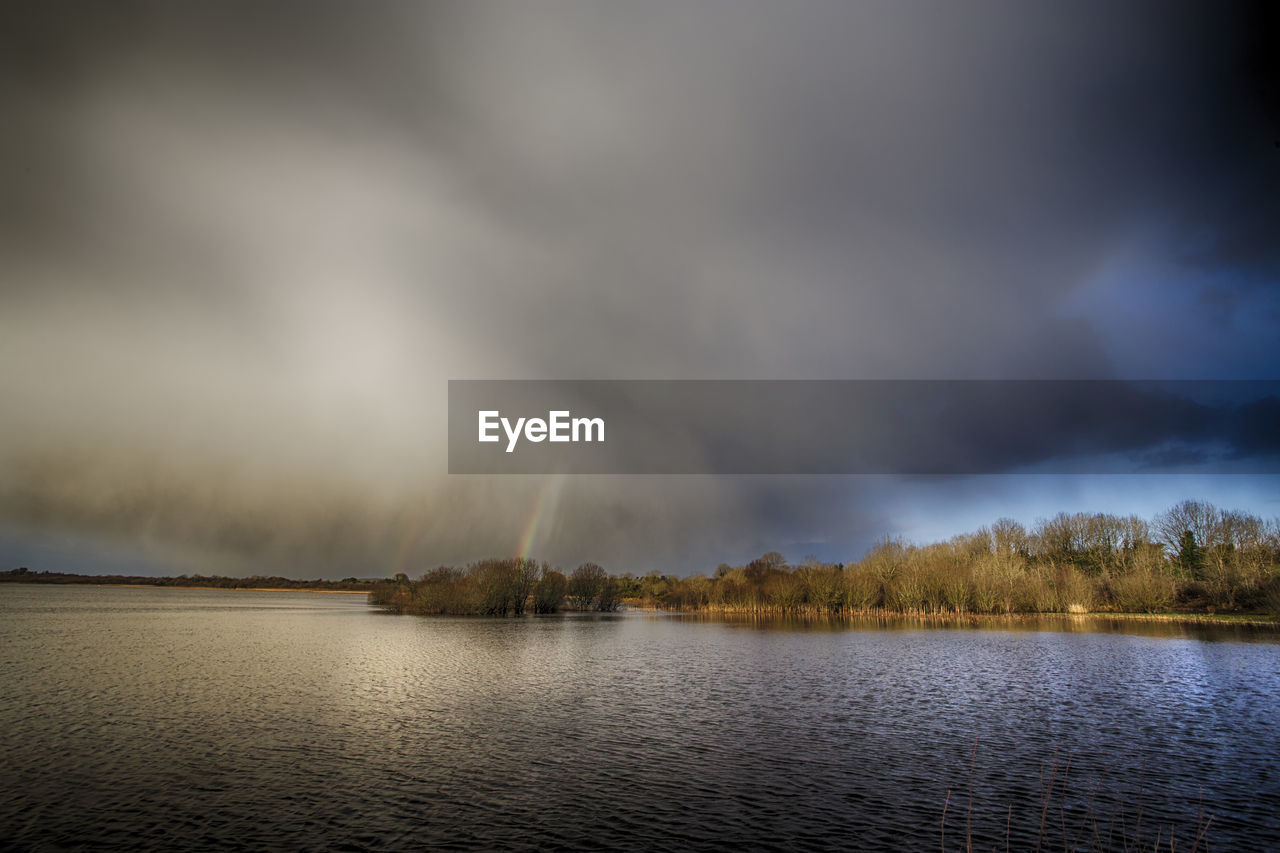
column 213, row 719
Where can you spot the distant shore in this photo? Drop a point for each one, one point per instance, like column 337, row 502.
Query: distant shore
column 256, row 583
column 226, row 588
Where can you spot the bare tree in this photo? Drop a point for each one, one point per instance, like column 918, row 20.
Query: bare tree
column 525, row 574
column 1009, row 536
column 585, row 585
column 609, row 599
column 1204, row 520
column 549, row 591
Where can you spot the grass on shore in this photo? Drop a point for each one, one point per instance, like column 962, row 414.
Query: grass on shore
column 1253, row 620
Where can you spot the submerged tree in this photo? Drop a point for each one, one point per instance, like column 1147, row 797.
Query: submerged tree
column 549, row 591
column 608, row 600
column 585, row 585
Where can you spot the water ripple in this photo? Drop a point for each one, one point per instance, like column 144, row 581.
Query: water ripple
column 167, row 719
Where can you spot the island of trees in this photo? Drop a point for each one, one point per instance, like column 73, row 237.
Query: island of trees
column 1193, row 558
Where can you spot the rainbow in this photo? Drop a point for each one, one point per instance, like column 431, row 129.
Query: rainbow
column 548, row 498
column 412, row 533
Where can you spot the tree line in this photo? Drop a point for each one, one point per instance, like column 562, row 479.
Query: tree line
column 501, row 587
column 351, row 584
column 1193, row 557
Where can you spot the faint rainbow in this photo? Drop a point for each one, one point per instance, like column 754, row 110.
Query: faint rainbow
column 544, row 506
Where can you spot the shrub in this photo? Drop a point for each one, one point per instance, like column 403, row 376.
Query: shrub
column 1271, row 594
column 784, row 592
column 862, row 589
column 1035, row 591
column 906, row 593
column 1142, row 591
column 1076, row 592
column 823, row 588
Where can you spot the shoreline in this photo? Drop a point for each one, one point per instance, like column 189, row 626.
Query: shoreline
column 193, row 586
column 222, row 588
column 1245, row 620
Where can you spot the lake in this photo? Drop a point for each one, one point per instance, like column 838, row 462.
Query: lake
column 209, row 719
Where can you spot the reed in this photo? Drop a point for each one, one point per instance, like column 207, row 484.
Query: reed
column 1057, row 828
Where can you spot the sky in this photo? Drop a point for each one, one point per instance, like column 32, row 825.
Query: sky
column 244, row 246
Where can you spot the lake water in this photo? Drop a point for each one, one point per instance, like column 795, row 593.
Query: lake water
column 202, row 719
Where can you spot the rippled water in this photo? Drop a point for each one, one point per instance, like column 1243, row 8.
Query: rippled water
column 181, row 719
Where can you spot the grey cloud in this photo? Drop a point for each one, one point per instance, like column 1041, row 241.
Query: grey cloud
column 245, row 245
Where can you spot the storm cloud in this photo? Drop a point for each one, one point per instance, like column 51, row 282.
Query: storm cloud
column 243, row 247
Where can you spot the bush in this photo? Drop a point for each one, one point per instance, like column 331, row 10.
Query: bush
column 1077, row 592
column 862, row 590
column 906, row 593
column 823, row 588
column 1036, row 591
column 1271, row 594
column 1142, row 591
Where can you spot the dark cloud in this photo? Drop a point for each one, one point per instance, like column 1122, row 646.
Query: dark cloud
column 864, row 427
column 246, row 244
column 1236, row 142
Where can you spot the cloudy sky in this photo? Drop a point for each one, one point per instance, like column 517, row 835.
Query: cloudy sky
column 243, row 247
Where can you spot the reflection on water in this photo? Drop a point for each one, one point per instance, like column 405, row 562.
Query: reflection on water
column 213, row 719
